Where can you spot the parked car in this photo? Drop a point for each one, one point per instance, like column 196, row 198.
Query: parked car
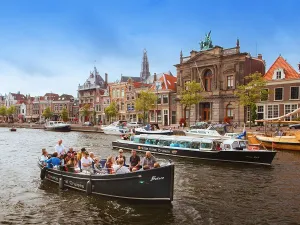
column 87, row 124
column 134, row 124
column 294, row 126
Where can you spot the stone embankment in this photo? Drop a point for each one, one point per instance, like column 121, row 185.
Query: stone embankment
column 74, row 127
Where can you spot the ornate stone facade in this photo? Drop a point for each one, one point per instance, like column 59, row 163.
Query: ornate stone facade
column 219, row 71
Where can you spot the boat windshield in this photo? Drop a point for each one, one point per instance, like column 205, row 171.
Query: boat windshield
column 206, row 145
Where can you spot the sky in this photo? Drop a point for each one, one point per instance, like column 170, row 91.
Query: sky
column 52, row 45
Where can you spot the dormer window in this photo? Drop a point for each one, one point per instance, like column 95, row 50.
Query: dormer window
column 278, row 74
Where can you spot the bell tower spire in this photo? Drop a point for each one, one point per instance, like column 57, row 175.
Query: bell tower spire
column 145, row 68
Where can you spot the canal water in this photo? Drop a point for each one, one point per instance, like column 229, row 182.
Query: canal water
column 205, row 192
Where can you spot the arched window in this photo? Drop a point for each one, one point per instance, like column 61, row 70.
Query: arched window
column 207, row 80
column 229, row 111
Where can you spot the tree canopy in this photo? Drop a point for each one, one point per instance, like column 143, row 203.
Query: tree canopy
column 65, row 114
column 47, row 113
column 3, row 111
column 253, row 91
column 111, row 110
column 145, row 102
column 85, row 110
column 191, row 95
column 11, row 110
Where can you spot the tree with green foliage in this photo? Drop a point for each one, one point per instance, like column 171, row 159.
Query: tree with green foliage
column 47, row 113
column 85, row 111
column 145, row 102
column 3, row 111
column 64, row 114
column 252, row 92
column 111, row 110
column 11, row 110
column 191, row 95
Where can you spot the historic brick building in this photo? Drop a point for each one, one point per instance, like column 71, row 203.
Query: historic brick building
column 89, row 94
column 165, row 108
column 283, row 84
column 219, row 71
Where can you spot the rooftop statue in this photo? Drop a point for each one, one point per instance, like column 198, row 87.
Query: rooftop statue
column 207, row 43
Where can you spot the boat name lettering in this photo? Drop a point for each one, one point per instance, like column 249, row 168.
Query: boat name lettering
column 253, row 157
column 71, row 183
column 50, row 177
column 156, row 178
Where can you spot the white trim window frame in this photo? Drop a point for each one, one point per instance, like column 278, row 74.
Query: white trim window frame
column 282, row 94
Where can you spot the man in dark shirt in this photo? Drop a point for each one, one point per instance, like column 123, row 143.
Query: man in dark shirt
column 134, row 160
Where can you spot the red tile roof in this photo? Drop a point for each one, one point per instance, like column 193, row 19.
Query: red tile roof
column 168, row 82
column 140, row 84
column 290, row 72
column 18, row 96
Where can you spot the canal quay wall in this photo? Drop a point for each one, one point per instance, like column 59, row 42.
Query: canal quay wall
column 74, row 127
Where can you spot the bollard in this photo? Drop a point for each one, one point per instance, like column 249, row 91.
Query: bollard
column 89, row 187
column 61, row 183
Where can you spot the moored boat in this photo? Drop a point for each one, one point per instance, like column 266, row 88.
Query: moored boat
column 57, row 126
column 231, row 150
column 116, row 128
column 278, row 142
column 158, row 132
column 223, row 131
column 149, row 185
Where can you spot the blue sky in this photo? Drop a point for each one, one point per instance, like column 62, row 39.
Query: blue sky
column 52, row 45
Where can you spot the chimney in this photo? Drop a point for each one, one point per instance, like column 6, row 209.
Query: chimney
column 106, row 78
column 154, row 78
column 259, row 56
column 299, row 67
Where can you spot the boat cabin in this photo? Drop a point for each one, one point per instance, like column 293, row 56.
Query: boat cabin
column 177, row 142
column 234, row 144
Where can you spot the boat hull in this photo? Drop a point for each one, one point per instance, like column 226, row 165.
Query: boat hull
column 238, row 156
column 150, row 185
column 59, row 129
column 205, row 136
column 113, row 132
column 279, row 143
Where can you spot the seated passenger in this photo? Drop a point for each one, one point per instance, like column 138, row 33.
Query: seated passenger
column 70, row 166
column 44, row 155
column 172, row 144
column 134, row 161
column 109, row 165
column 97, row 166
column 54, row 161
column 121, row 169
column 149, row 160
column 86, row 162
column 80, row 156
column 121, row 156
column 71, row 153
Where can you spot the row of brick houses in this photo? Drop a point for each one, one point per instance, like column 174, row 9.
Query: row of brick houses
column 31, row 108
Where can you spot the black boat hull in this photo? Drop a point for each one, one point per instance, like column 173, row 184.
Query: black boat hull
column 150, row 185
column 254, row 157
column 59, row 129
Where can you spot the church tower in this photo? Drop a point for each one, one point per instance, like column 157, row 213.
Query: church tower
column 145, row 68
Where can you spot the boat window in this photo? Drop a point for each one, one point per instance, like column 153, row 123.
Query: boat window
column 227, row 147
column 184, row 144
column 195, row 145
column 165, row 142
column 136, row 140
column 243, row 144
column 142, row 140
column 235, row 145
column 201, row 132
column 206, row 145
column 153, row 141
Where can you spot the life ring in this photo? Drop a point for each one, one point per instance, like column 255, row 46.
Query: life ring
column 43, row 173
